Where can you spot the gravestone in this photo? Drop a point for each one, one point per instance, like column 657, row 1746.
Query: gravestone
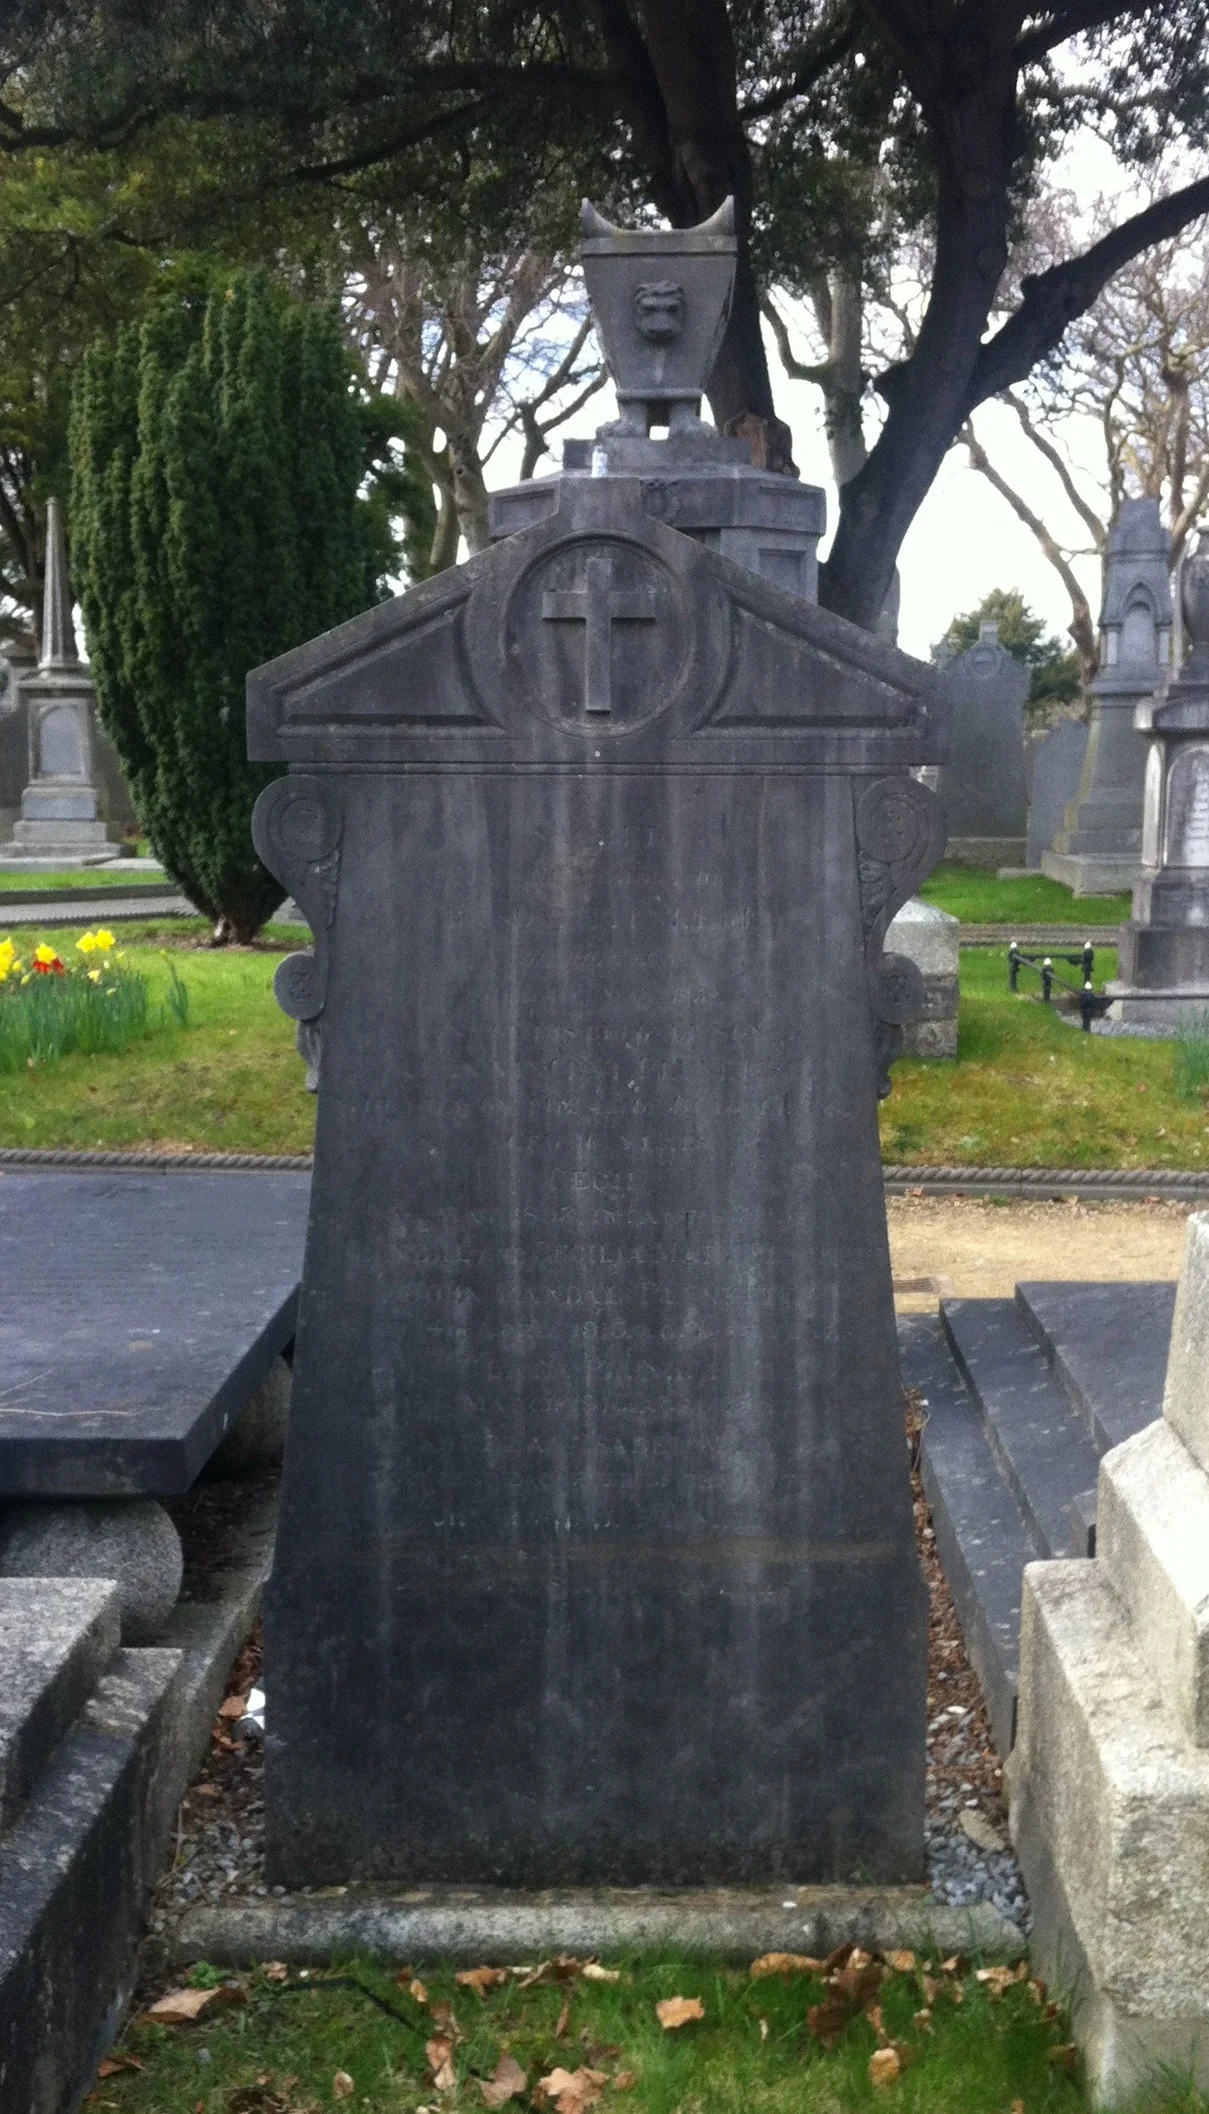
column 1053, row 768
column 1099, row 846
column 930, row 937
column 982, row 789
column 61, row 821
column 1163, row 962
column 18, row 659
column 595, row 1560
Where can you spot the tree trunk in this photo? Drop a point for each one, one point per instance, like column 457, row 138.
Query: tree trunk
column 974, row 137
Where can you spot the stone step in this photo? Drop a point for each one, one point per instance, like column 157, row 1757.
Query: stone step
column 1153, row 1545
column 982, row 1538
column 57, row 1636
column 1037, row 1436
column 1108, row 1346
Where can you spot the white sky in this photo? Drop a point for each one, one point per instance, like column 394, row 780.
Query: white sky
column 964, row 540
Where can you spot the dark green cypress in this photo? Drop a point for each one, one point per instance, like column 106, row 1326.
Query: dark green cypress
column 217, row 460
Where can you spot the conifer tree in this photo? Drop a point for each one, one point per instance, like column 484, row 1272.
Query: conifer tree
column 218, row 459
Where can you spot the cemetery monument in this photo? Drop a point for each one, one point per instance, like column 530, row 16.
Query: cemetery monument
column 1163, row 964
column 982, row 789
column 1099, row 846
column 1053, row 765
column 595, row 1561
column 62, row 820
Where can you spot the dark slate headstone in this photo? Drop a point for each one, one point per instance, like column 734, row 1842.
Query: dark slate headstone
column 595, row 1561
column 140, row 1312
column 982, row 786
column 1055, row 763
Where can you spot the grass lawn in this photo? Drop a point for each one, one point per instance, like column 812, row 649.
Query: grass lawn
column 81, row 877
column 232, row 1081
column 284, row 2046
column 1025, row 1090
column 979, row 899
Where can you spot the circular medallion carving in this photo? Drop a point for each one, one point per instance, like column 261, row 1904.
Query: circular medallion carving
column 894, row 820
column 306, row 821
column 597, row 636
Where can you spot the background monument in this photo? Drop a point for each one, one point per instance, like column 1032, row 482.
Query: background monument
column 982, row 789
column 595, row 1520
column 1099, row 846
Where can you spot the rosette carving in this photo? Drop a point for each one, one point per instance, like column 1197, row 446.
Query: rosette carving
column 900, row 835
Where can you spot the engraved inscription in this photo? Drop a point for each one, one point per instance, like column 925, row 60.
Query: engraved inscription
column 1188, row 808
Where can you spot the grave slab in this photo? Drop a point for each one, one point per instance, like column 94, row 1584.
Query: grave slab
column 140, row 1313
column 1108, row 1343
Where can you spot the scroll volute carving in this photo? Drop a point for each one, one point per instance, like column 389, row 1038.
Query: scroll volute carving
column 297, row 825
column 900, row 835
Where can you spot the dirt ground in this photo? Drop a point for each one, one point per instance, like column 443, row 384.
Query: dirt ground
column 976, row 1248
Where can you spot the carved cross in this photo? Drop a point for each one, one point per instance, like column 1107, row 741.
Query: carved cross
column 597, row 605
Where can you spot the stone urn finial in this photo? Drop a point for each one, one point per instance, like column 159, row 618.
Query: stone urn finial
column 660, row 298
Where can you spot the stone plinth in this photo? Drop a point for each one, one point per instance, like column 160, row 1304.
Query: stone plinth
column 982, row 787
column 1098, row 849
column 930, row 938
column 1164, row 953
column 1110, row 1778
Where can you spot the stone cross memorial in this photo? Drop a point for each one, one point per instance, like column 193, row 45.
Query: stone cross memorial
column 596, row 1563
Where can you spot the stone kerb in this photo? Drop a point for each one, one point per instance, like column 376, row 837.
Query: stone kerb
column 1110, row 1777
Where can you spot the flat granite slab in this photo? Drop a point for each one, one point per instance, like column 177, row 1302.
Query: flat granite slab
column 140, row 1312
column 1108, row 1344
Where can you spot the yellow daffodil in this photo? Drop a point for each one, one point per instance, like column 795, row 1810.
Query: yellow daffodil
column 8, row 958
column 87, row 942
column 46, row 955
column 103, row 939
column 94, row 976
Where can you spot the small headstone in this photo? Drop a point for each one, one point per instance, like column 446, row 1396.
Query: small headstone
column 1163, row 962
column 930, row 937
column 595, row 1561
column 982, row 787
column 1054, row 766
column 1097, row 847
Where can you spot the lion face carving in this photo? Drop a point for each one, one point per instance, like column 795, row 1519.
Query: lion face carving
column 659, row 310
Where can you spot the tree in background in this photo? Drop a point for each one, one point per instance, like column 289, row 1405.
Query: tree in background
column 218, row 455
column 1053, row 674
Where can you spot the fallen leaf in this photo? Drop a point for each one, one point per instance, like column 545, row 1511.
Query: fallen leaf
column 481, row 1979
column 444, row 2019
column 955, row 1965
column 342, row 2085
column 275, row 1971
column 439, row 2051
column 923, row 2020
column 884, row 2066
column 858, row 1981
column 785, row 1964
column 625, row 2080
column 563, row 1969
column 564, row 2019
column 594, row 1972
column 827, row 2021
column 1063, row 2058
column 233, row 1707
column 678, row 2011
column 996, row 1979
column 572, row 2091
column 874, row 2015
column 180, row 2006
column 111, row 2065
column 507, row 2080
column 417, row 1990
column 903, row 1963
column 981, row 1831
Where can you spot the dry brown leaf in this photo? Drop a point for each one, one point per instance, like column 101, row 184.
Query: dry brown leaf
column 111, row 2065
column 417, row 1990
column 594, row 1972
column 439, row 2051
column 874, row 2015
column 274, row 1970
column 572, row 2091
column 923, row 2020
column 564, row 2019
column 956, row 1964
column 1017, row 2107
column 507, row 2080
column 827, row 2021
column 625, row 2080
column 563, row 1969
column 785, row 1964
column 180, row 2006
column 233, row 1707
column 840, row 1957
column 481, row 1979
column 859, row 1981
column 884, row 2066
column 678, row 2011
column 445, row 2020
column 902, row 1963
column 996, row 1979
column 342, row 2085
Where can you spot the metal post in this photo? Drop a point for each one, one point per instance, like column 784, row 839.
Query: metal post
column 1087, row 1005
column 1089, row 961
column 1013, row 966
column 1047, row 979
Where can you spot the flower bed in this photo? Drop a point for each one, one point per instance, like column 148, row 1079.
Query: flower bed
column 93, row 1002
